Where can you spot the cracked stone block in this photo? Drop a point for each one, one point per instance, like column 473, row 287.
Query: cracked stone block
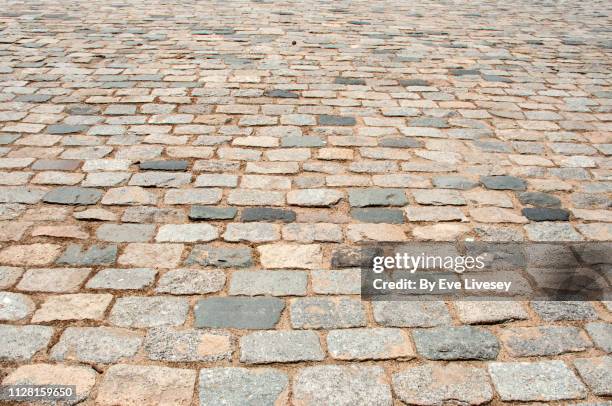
column 489, row 312
column 20, row 343
column 153, row 311
column 543, row 341
column 535, row 381
column 76, row 255
column 73, row 195
column 242, row 386
column 83, row 377
column 15, row 306
column 105, row 345
column 190, row 281
column 342, row 386
column 76, row 306
column 264, row 347
column 601, row 334
column 453, row 343
column 122, row 279
column 437, row 385
column 369, row 344
column 411, row 314
column 272, row 283
column 53, row 279
column 168, row 344
column 596, row 373
column 326, row 313
column 132, row 385
column 228, row 256
column 238, row 312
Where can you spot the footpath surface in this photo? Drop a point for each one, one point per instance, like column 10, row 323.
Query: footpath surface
column 183, row 185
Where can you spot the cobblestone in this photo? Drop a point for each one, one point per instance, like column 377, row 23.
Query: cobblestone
column 240, row 158
column 20, row 343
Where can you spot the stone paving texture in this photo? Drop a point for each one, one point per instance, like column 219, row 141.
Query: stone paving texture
column 182, row 185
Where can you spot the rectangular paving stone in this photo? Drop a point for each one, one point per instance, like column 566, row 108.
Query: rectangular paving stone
column 366, row 344
column 152, row 311
column 237, row 312
column 596, row 373
column 9, row 275
column 53, row 279
column 436, row 385
column 191, row 345
column 543, row 341
column 264, row 347
column 157, row 385
column 272, row 283
column 77, row 255
column 267, row 214
column 83, row 377
column 535, row 381
column 212, row 213
column 368, row 386
column 411, row 314
column 453, row 343
column 222, row 256
column 239, row 386
column 193, row 196
column 300, row 256
column 105, row 345
column 122, row 279
column 186, row 233
column 20, row 343
column 125, row 232
column 73, row 195
column 326, row 313
column 377, row 197
column 151, row 255
column 191, row 281
column 76, row 306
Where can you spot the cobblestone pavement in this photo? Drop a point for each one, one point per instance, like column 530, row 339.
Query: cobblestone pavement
column 181, row 181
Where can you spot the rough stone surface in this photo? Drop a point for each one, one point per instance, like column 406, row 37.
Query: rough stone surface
column 236, row 312
column 77, row 306
column 451, row 343
column 242, row 386
column 543, row 341
column 167, row 344
column 437, row 385
column 190, row 281
column 273, row 283
column 364, row 344
column 15, row 306
column 104, row 345
column 327, row 313
column 411, row 314
column 264, row 347
column 20, row 343
column 341, row 385
column 596, row 373
column 535, row 381
column 122, row 279
column 154, row 385
column 141, row 312
column 83, row 377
